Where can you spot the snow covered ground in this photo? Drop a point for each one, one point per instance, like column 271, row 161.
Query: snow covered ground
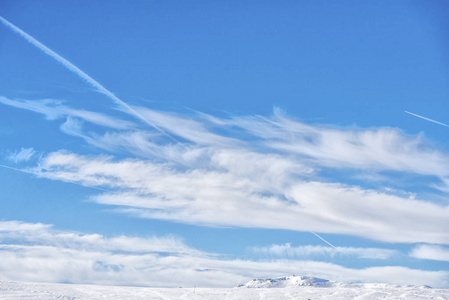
column 293, row 287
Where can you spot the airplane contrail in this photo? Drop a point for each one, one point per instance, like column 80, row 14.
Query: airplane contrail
column 427, row 119
column 74, row 69
column 324, row 240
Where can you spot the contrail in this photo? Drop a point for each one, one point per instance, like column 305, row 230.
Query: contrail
column 74, row 69
column 324, row 240
column 427, row 119
column 32, row 173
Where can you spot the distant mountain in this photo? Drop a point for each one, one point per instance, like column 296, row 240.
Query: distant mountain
column 305, row 281
column 289, row 281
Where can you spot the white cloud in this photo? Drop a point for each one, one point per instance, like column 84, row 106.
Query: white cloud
column 286, row 250
column 373, row 149
column 249, row 171
column 187, row 128
column 25, row 154
column 41, row 235
column 37, row 252
column 53, row 109
column 11, row 227
column 365, row 150
column 433, row 252
column 251, row 190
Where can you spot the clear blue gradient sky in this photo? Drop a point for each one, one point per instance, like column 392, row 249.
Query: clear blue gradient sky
column 204, row 142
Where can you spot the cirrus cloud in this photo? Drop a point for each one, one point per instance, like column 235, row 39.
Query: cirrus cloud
column 252, row 195
column 247, row 171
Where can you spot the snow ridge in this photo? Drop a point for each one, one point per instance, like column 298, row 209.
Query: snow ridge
column 305, row 281
column 288, row 281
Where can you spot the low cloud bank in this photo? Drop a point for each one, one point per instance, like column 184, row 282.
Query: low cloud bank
column 38, row 252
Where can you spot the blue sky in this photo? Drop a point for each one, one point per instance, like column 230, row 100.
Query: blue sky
column 206, row 143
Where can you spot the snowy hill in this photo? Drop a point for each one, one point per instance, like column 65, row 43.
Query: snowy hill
column 304, row 281
column 288, row 282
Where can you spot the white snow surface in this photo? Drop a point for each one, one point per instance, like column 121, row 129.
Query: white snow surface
column 292, row 287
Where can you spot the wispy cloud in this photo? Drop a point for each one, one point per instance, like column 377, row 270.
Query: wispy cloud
column 253, row 191
column 364, row 150
column 257, row 168
column 74, row 69
column 433, row 252
column 37, row 252
column 288, row 251
column 25, row 154
column 187, row 128
column 427, row 119
column 373, row 149
column 53, row 109
column 45, row 235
